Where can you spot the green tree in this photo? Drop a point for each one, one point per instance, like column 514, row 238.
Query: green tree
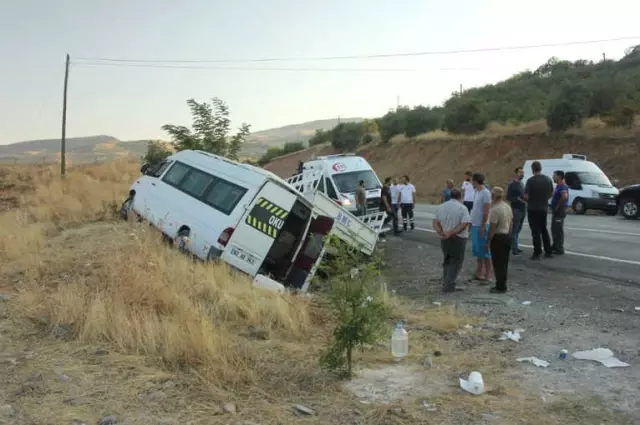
column 569, row 107
column 359, row 301
column 346, row 136
column 393, row 123
column 623, row 113
column 210, row 130
column 157, row 151
column 464, row 116
column 422, row 119
column 320, row 137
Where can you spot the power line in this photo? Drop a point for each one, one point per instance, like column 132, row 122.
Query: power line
column 385, row 55
column 233, row 68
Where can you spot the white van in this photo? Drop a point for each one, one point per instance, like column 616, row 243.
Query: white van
column 589, row 187
column 220, row 209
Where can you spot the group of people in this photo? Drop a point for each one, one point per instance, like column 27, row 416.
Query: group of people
column 399, row 198
column 493, row 220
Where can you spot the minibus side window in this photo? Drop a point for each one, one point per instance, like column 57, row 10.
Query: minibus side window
column 196, row 183
column 224, row 196
column 157, row 170
column 175, row 174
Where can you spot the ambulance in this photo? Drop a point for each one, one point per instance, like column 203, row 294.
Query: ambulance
column 338, row 176
column 248, row 217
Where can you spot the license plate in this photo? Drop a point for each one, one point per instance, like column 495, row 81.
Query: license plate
column 244, row 256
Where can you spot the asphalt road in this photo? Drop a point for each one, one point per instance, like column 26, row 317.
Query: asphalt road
column 598, row 247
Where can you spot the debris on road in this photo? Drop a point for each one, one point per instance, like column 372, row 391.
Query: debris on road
column 474, row 385
column 512, row 335
column 602, row 355
column 526, row 303
column 536, row 361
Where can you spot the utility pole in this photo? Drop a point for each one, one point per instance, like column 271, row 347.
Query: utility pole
column 604, row 57
column 460, row 89
column 63, row 140
column 397, row 102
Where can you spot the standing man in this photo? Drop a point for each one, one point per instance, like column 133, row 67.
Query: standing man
column 515, row 196
column 499, row 240
column 480, row 228
column 537, row 192
column 361, row 199
column 387, row 206
column 469, row 192
column 452, row 224
column 445, row 195
column 394, row 190
column 559, row 206
column 406, row 199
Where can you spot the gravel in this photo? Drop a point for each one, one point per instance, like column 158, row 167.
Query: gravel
column 572, row 312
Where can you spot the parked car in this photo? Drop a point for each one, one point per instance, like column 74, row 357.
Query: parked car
column 629, row 201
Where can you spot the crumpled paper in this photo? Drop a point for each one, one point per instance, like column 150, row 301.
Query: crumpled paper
column 536, row 361
column 512, row 335
column 602, row 355
column 475, row 384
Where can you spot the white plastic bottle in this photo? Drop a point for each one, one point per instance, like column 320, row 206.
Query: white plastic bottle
column 399, row 342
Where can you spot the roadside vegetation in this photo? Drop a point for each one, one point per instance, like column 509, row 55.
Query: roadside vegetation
column 556, row 97
column 100, row 318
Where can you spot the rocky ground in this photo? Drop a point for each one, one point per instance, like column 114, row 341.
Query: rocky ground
column 556, row 310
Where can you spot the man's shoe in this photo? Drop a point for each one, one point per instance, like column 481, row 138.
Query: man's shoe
column 451, row 290
column 516, row 253
column 557, row 252
column 497, row 291
column 535, row 257
column 548, row 255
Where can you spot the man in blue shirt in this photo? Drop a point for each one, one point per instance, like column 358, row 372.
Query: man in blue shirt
column 445, row 195
column 559, row 206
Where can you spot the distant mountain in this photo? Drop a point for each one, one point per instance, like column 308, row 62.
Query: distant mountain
column 107, row 148
column 79, row 150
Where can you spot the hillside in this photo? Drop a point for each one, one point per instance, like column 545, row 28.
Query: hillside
column 258, row 142
column 432, row 159
column 107, row 148
column 79, row 150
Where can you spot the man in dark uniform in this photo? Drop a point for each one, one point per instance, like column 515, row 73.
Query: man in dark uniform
column 386, row 205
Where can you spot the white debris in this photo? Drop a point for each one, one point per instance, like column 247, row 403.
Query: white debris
column 637, row 309
column 438, row 303
column 513, row 336
column 475, row 384
column 526, row 303
column 602, row 355
column 536, row 361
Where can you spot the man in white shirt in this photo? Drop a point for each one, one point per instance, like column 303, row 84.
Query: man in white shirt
column 406, row 199
column 468, row 190
column 394, row 190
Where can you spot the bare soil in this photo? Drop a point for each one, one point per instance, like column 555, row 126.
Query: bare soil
column 431, row 161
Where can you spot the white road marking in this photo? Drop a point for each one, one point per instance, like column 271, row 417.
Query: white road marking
column 581, row 229
column 577, row 254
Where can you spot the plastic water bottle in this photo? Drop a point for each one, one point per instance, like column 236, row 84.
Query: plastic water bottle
column 399, row 342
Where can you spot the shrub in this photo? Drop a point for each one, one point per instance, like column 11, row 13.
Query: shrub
column 359, row 301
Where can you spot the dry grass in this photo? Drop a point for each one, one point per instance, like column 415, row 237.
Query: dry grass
column 82, row 280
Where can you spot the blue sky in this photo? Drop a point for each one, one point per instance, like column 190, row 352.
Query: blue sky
column 133, row 103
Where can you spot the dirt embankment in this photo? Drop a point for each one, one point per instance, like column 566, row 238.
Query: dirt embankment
column 431, row 162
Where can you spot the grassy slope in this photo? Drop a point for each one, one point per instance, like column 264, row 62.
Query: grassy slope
column 431, row 159
column 103, row 319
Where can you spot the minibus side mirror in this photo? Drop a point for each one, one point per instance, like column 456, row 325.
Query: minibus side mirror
column 144, row 169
